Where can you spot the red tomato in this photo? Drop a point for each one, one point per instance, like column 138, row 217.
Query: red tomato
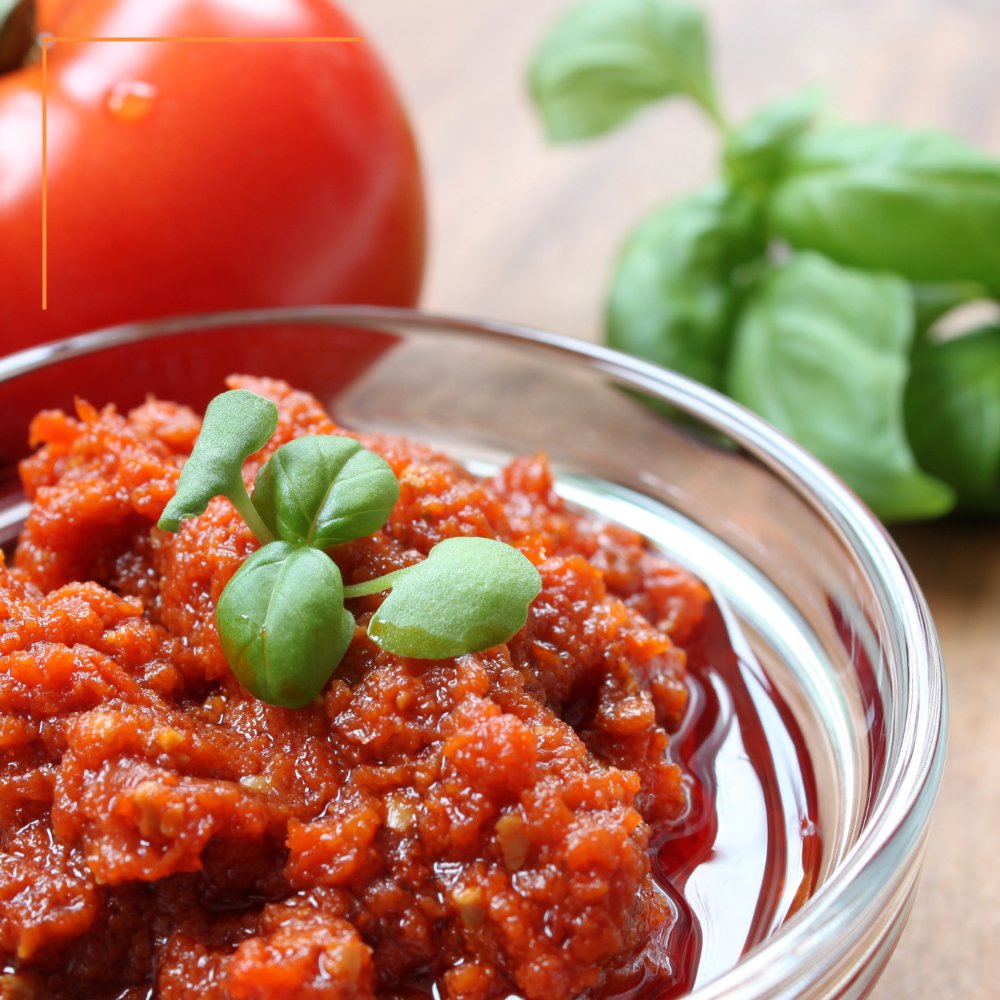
column 193, row 175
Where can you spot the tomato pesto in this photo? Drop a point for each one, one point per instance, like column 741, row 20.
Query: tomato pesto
column 478, row 826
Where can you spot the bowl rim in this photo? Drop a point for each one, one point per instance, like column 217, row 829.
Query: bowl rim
column 834, row 917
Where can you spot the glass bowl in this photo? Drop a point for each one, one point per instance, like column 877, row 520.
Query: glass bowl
column 810, row 580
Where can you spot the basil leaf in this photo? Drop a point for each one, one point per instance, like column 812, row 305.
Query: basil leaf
column 953, row 415
column 468, row 594
column 676, row 291
column 606, row 59
column 921, row 204
column 756, row 154
column 283, row 625
column 822, row 353
column 323, row 490
column 236, row 424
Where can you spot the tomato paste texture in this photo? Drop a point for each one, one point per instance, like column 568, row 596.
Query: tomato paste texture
column 480, row 825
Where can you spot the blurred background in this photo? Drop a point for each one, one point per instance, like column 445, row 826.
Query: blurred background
column 524, row 231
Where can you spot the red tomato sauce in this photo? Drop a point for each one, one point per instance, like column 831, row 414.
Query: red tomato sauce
column 480, row 827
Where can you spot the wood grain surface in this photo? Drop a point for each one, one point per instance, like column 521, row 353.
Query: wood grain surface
column 526, row 232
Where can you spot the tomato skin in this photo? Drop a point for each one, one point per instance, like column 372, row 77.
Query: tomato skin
column 189, row 176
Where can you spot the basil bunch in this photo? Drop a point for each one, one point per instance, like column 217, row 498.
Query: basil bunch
column 808, row 282
column 281, row 618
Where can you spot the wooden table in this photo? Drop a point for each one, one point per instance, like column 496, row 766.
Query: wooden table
column 527, row 232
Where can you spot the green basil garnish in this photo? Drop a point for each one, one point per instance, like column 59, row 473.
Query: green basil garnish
column 236, row 424
column 282, row 623
column 469, row 594
column 323, row 490
column 281, row 618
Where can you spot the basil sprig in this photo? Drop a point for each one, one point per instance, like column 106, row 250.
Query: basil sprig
column 812, row 280
column 282, row 621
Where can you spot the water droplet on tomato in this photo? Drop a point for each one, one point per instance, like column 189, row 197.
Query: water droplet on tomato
column 131, row 100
